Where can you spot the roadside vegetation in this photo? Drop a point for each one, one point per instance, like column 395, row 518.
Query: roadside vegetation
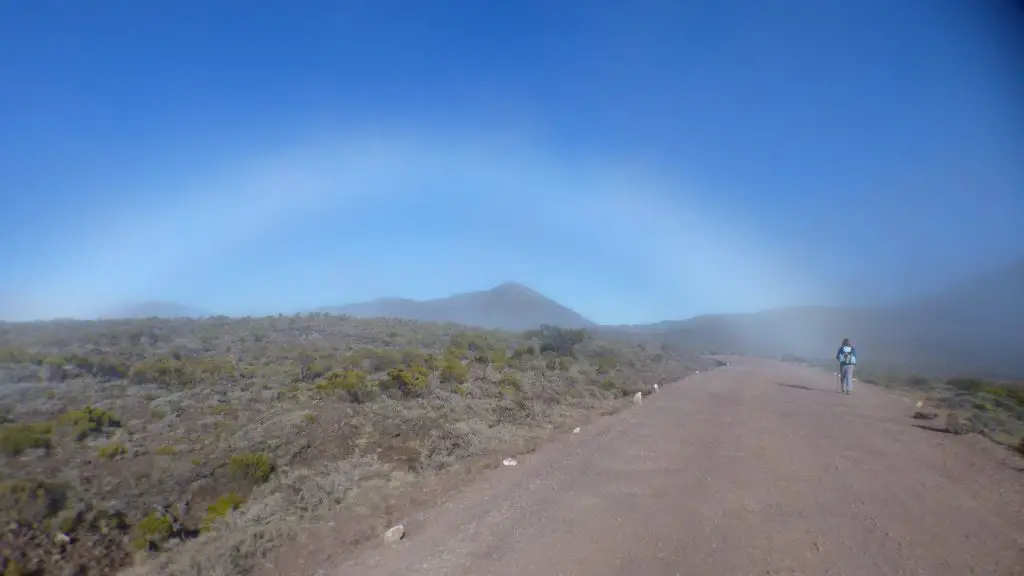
column 198, row 446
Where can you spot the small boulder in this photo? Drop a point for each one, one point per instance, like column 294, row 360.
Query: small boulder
column 394, row 534
column 654, row 388
column 638, row 399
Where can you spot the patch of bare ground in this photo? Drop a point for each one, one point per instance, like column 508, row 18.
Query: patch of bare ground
column 200, row 446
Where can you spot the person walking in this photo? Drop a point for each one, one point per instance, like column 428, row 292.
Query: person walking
column 847, row 358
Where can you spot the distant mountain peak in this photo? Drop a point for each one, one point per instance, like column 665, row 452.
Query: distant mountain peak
column 515, row 288
column 510, row 306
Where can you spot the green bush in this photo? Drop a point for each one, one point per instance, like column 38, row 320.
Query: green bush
column 251, row 467
column 16, row 438
column 112, row 451
column 1013, row 393
column 354, row 383
column 152, row 532
column 453, row 371
column 411, row 381
column 9, row 355
column 606, row 364
column 510, row 380
column 88, row 420
column 561, row 341
column 220, row 509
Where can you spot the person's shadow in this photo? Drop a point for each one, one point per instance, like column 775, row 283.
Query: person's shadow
column 800, row 387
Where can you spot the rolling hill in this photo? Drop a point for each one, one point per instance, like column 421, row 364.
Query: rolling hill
column 975, row 327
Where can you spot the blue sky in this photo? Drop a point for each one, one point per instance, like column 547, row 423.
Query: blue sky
column 636, row 161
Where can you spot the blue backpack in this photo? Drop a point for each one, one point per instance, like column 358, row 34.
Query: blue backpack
column 846, row 355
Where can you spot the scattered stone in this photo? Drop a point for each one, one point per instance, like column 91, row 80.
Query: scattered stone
column 576, row 430
column 638, row 399
column 919, row 404
column 654, row 388
column 62, row 538
column 925, row 416
column 509, row 462
column 394, row 534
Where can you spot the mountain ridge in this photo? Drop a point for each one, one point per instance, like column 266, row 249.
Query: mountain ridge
column 974, row 326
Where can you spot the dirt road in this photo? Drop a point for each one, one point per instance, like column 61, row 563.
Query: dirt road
column 756, row 468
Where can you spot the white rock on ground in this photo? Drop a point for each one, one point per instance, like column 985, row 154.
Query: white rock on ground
column 638, row 399
column 654, row 387
column 509, row 462
column 576, row 430
column 394, row 534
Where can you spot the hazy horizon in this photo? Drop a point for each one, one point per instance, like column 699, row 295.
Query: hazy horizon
column 635, row 164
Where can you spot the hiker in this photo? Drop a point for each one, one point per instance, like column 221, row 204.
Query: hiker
column 847, row 358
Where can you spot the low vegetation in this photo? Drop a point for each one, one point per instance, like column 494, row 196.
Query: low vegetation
column 197, row 446
column 993, row 409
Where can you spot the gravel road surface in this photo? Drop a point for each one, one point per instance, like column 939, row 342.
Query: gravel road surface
column 758, row 467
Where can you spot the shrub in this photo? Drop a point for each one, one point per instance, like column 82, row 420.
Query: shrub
column 967, row 384
column 12, row 355
column 112, row 451
column 111, row 369
column 179, row 371
column 16, row 438
column 1013, row 393
column 220, row 508
column 606, row 364
column 453, row 371
column 562, row 363
column 31, row 501
column 523, row 351
column 52, row 369
column 168, row 372
column 354, row 383
column 561, row 341
column 89, row 420
column 251, row 467
column 510, row 380
column 311, row 367
column 409, row 381
column 499, row 358
column 152, row 532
